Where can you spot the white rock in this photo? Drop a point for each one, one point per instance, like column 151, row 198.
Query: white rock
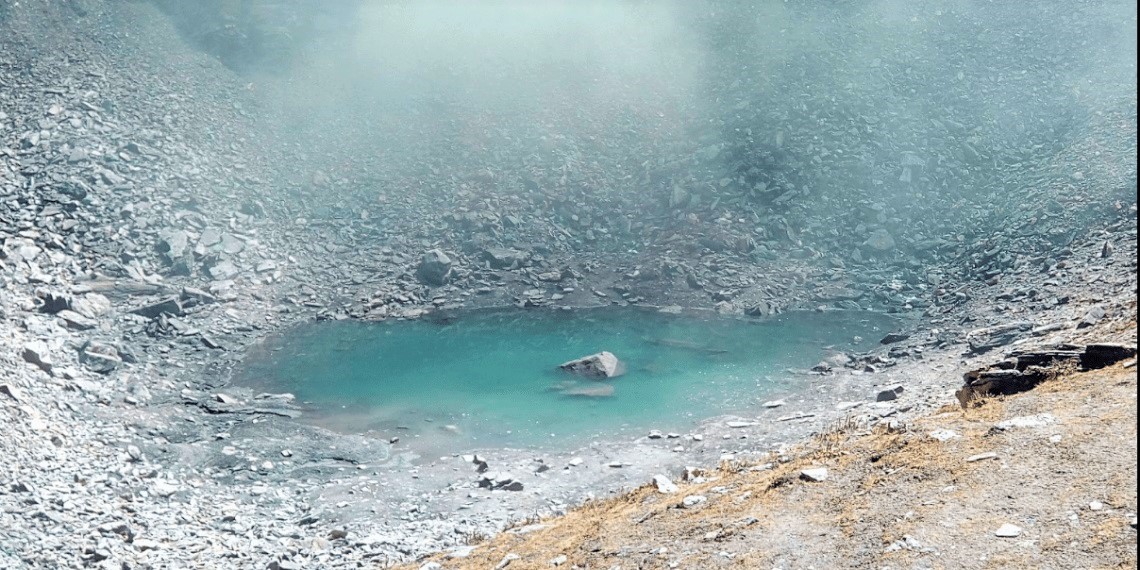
column 816, row 474
column 1034, row 421
column 164, row 489
column 461, row 552
column 1008, row 531
column 506, row 561
column 664, row 485
column 1096, row 506
column 944, row 435
column 773, row 403
column 558, row 560
column 981, row 457
column 740, row 424
column 693, row 500
column 601, row 365
column 144, row 544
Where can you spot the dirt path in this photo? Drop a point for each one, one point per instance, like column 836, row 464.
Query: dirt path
column 1064, row 474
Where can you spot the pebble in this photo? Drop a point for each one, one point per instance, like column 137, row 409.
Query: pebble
column 1034, row 421
column 741, row 424
column 1008, row 531
column 814, row 474
column 506, row 561
column 693, row 500
column 944, row 435
column 664, row 485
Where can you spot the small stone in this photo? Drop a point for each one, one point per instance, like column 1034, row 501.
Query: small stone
column 773, row 403
column 815, row 474
column 434, row 268
column 163, row 489
column 1092, row 317
column 981, row 457
column 944, row 435
column 1096, row 506
column 880, row 240
column 1034, row 421
column 693, row 500
column 168, row 306
column 1008, row 531
column 11, row 391
column 664, row 485
column 506, row 561
column 36, row 353
column 558, row 560
column 741, row 424
column 889, row 394
column 144, row 544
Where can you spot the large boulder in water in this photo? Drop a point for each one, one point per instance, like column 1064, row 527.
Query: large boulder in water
column 596, row 366
column 435, row 268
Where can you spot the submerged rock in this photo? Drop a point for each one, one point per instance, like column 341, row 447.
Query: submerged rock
column 598, row 366
column 595, row 391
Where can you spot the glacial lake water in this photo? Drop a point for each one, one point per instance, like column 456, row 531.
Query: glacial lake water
column 490, row 378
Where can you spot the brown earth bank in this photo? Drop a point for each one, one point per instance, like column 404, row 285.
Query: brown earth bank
column 1042, row 479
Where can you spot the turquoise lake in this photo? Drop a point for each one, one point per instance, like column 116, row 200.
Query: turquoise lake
column 491, row 378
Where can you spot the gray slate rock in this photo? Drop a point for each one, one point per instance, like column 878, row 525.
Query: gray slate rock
column 435, row 268
column 36, row 352
column 167, row 306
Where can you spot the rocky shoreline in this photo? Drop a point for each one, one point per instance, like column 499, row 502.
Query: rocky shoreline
column 140, row 257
